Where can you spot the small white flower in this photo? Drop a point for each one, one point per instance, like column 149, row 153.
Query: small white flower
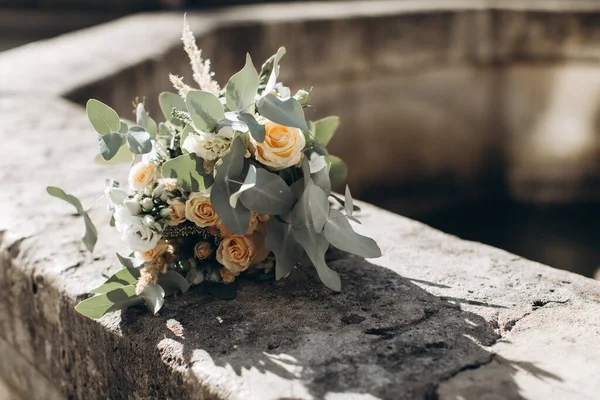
column 147, row 204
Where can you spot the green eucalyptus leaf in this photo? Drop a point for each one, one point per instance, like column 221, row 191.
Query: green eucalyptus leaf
column 270, row 194
column 124, row 155
column 316, row 161
column 349, row 202
column 205, row 110
column 110, row 145
column 284, row 112
column 100, row 304
column 91, row 234
column 340, row 234
column 123, row 277
column 322, row 180
column 257, row 130
column 298, row 188
column 281, row 241
column 172, row 282
column 249, row 182
column 270, row 69
column 188, row 130
column 315, row 246
column 139, row 140
column 343, row 203
column 104, row 119
column 232, row 163
column 129, row 262
column 143, row 119
column 338, row 171
column 154, row 297
column 169, row 101
column 124, row 128
column 325, row 128
column 220, row 290
column 242, row 87
column 164, row 131
column 236, row 219
column 188, row 170
column 69, row 198
column 228, row 172
column 319, row 207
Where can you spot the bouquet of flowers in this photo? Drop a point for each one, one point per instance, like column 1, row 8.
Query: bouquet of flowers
column 233, row 182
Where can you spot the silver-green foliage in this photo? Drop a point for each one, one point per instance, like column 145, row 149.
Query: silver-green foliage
column 242, row 87
column 312, row 226
column 284, row 112
column 91, row 234
column 114, row 133
column 188, row 170
column 119, row 292
column 205, row 110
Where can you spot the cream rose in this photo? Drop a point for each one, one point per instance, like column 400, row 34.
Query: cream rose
column 151, row 254
column 281, row 148
column 199, row 210
column 237, row 253
column 141, row 175
column 203, row 250
column 206, row 145
column 177, row 215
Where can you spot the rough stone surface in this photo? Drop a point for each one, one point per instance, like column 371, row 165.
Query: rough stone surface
column 435, row 317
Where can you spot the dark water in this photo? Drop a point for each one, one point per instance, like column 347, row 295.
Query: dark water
column 565, row 237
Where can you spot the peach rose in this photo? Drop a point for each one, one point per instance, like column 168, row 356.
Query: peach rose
column 203, row 250
column 237, row 253
column 257, row 222
column 199, row 210
column 227, row 275
column 281, row 148
column 151, row 254
column 177, row 215
column 141, row 175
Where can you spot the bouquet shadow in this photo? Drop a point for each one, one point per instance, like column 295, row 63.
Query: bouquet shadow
column 383, row 335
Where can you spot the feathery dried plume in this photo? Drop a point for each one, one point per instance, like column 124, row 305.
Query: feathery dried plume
column 149, row 274
column 178, row 84
column 201, row 68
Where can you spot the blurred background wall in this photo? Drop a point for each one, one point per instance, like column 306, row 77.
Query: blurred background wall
column 482, row 123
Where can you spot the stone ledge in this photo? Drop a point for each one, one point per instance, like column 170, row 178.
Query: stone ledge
column 436, row 316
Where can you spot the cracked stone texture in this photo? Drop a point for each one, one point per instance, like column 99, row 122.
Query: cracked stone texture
column 435, row 317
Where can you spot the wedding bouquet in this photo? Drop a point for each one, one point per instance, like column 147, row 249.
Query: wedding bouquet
column 233, row 182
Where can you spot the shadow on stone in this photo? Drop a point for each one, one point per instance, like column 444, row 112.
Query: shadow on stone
column 382, row 335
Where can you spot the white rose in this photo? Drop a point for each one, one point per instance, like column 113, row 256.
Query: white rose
column 134, row 232
column 206, row 145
